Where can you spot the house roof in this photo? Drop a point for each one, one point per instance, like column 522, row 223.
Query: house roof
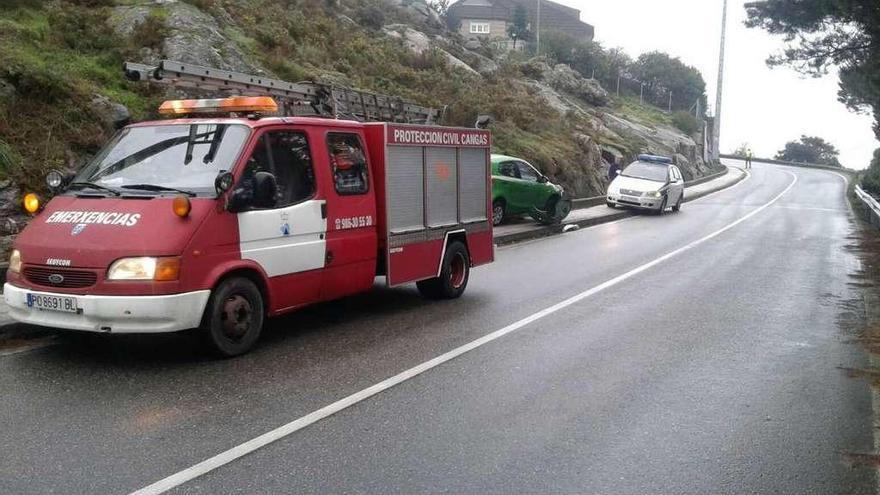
column 502, row 10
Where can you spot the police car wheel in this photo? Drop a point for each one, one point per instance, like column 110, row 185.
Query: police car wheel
column 677, row 207
column 454, row 274
column 663, row 205
column 235, row 317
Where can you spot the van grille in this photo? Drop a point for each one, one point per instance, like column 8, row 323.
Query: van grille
column 72, row 279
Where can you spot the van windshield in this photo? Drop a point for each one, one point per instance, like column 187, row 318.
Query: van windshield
column 159, row 158
column 649, row 171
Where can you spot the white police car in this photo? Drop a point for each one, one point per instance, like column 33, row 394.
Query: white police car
column 649, row 183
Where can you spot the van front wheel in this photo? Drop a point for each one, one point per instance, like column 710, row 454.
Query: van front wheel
column 234, row 317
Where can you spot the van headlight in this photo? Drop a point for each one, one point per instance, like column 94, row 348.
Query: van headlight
column 653, row 194
column 145, row 268
column 15, row 261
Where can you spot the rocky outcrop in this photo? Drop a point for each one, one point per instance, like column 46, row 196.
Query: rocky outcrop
column 112, row 115
column 195, row 37
column 12, row 217
column 419, row 9
column 563, row 78
column 418, row 42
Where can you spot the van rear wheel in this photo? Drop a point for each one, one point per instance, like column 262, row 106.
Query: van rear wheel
column 234, row 317
column 454, row 274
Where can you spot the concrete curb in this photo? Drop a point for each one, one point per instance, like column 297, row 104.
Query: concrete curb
column 613, row 215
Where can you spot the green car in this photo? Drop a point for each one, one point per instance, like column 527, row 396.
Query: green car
column 519, row 189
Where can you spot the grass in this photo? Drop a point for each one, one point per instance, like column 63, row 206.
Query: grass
column 630, row 108
column 57, row 63
column 60, row 54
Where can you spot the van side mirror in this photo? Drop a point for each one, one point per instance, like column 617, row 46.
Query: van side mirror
column 260, row 192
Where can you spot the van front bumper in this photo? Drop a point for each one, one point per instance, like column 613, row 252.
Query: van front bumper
column 113, row 314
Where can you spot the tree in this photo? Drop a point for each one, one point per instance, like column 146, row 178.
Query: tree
column 810, row 149
column 820, row 34
column 871, row 180
column 559, row 46
column 449, row 17
column 660, row 69
column 518, row 29
column 743, row 150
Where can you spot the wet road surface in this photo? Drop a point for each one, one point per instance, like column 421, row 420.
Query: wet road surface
column 712, row 370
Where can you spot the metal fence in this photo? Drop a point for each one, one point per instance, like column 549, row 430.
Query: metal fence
column 871, row 211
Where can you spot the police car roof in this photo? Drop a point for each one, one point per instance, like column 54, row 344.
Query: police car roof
column 655, row 159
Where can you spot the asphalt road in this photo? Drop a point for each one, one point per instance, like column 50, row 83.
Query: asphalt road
column 712, row 370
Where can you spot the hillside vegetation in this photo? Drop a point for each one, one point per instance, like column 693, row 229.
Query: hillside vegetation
column 61, row 83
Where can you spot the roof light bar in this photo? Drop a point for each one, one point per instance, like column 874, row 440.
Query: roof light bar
column 259, row 104
column 655, row 159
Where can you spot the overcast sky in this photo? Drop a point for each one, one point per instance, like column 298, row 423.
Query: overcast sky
column 763, row 107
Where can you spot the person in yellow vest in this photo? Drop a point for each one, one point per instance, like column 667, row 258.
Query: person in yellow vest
column 748, row 158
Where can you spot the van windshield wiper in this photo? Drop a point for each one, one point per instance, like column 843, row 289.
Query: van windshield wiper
column 158, row 188
column 92, row 185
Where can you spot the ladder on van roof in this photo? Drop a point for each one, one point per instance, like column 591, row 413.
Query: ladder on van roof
column 295, row 99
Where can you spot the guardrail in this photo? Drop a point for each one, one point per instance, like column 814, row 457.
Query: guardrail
column 792, row 164
column 580, row 203
column 872, row 207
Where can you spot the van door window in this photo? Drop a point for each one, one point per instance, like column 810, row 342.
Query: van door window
column 292, row 164
column 284, row 154
column 348, row 164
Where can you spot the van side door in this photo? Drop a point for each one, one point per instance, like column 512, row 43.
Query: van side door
column 286, row 240
column 352, row 239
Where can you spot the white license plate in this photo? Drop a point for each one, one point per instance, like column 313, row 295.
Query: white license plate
column 52, row 303
column 630, row 198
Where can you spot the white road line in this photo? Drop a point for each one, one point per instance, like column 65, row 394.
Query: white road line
column 809, row 208
column 261, row 441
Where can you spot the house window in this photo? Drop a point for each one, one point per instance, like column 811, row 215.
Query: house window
column 479, row 27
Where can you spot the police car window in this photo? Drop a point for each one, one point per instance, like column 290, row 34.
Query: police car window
column 284, row 154
column 526, row 172
column 647, row 170
column 509, row 169
column 348, row 164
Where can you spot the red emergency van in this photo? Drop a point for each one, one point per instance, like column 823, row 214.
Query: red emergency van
column 219, row 223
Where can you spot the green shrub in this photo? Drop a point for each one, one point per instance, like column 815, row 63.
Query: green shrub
column 152, row 31
column 371, row 16
column 686, row 122
column 81, row 28
column 9, row 160
column 871, row 179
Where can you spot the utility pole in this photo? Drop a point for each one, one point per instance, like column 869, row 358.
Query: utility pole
column 716, row 123
column 538, row 31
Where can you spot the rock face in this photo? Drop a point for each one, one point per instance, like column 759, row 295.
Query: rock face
column 563, row 78
column 419, row 42
column 195, row 36
column 12, row 217
column 113, row 115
